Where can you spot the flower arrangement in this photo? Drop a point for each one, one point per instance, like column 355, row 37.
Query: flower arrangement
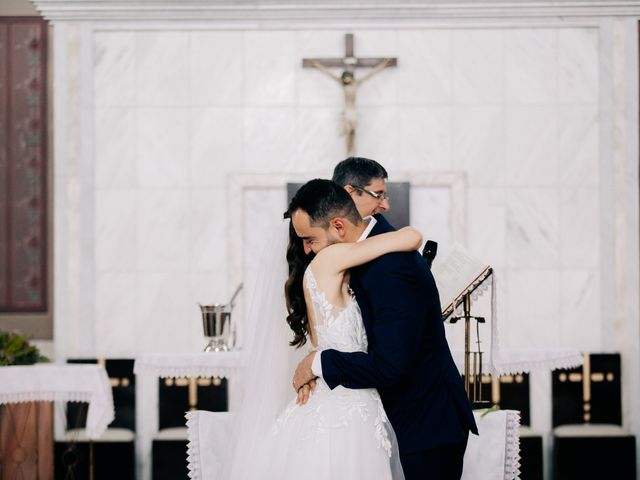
column 16, row 350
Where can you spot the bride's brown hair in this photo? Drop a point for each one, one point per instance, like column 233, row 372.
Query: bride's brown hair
column 293, row 290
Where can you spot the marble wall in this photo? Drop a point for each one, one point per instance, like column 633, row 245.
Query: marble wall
column 519, row 133
column 175, row 113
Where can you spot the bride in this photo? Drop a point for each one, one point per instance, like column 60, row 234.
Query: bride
column 339, row 433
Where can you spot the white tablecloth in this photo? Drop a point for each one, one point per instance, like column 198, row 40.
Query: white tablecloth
column 492, row 455
column 197, row 364
column 64, row 383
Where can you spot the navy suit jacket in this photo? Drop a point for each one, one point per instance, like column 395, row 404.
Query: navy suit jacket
column 409, row 360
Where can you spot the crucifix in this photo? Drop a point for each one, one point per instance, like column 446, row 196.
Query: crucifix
column 349, row 82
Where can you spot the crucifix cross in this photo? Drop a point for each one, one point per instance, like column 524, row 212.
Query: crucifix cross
column 349, row 82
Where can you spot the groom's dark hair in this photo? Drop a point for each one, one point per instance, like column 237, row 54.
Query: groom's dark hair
column 323, row 200
column 358, row 171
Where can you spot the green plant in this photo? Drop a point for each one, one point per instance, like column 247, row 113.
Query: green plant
column 16, row 350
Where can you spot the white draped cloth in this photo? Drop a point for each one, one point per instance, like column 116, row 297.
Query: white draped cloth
column 492, row 455
column 62, row 383
column 505, row 361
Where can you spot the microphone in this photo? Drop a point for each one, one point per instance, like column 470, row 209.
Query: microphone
column 429, row 252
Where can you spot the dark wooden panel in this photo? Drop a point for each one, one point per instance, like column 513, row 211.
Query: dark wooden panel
column 25, row 166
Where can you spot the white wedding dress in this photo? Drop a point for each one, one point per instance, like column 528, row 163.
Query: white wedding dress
column 340, row 433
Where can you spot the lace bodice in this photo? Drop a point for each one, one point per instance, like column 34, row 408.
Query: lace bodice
column 339, row 328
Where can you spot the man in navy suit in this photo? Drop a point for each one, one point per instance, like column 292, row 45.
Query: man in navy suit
column 408, row 361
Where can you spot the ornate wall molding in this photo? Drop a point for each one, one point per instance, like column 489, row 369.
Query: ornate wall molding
column 267, row 13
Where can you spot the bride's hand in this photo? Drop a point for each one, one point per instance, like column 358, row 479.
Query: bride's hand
column 303, row 373
column 305, row 392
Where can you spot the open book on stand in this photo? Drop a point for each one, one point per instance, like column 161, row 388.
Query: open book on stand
column 458, row 274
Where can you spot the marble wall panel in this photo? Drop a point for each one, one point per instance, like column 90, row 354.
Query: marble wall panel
column 531, row 65
column 477, row 146
column 431, row 214
column 424, row 138
column 580, row 227
column 207, row 229
column 270, row 68
column 162, row 58
column 478, row 66
column 578, row 53
column 377, row 134
column 114, row 68
column 163, row 230
column 533, row 228
column 115, row 148
column 216, row 68
column 580, row 310
column 426, row 65
column 166, row 319
column 116, row 314
column 319, row 144
column 533, row 307
column 578, row 145
column 487, row 225
column 162, row 147
column 531, row 146
column 215, row 145
column 269, row 139
column 116, row 219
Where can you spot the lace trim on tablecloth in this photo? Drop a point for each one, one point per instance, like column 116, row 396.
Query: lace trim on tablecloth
column 512, row 446
column 200, row 364
column 193, row 447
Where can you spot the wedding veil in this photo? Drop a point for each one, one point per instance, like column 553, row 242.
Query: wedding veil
column 270, row 363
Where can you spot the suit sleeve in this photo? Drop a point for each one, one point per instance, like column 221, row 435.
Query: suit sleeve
column 399, row 297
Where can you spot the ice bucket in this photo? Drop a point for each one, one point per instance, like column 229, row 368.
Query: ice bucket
column 216, row 323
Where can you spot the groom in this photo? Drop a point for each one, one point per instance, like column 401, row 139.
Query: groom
column 409, row 360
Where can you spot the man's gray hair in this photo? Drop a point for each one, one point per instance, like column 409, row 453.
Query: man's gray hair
column 358, row 171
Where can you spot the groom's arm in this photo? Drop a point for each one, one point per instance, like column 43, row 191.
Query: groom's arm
column 399, row 295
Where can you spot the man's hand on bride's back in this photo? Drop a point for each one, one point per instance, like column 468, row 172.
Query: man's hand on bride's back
column 305, row 392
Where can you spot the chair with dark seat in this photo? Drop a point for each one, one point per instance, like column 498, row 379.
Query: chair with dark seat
column 589, row 440
column 113, row 454
column 176, row 396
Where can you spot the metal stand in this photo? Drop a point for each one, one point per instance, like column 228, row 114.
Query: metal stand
column 472, row 376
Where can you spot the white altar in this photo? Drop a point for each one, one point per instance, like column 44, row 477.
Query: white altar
column 62, row 383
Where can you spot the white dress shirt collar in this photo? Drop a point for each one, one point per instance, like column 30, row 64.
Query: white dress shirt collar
column 372, row 222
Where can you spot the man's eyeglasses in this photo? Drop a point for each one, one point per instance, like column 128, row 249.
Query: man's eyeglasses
column 380, row 196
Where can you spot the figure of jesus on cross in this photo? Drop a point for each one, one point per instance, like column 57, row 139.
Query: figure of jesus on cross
column 349, row 83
